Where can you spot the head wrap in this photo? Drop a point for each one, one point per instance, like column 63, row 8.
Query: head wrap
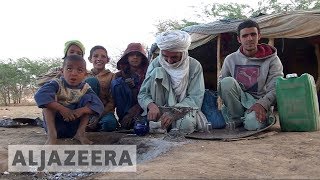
column 133, row 47
column 174, row 41
column 73, row 42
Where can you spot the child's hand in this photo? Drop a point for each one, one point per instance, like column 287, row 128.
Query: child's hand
column 126, row 121
column 67, row 114
column 130, row 82
column 78, row 113
column 93, row 123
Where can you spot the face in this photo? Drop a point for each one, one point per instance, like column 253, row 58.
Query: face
column 134, row 59
column 99, row 59
column 74, row 72
column 74, row 50
column 171, row 57
column 249, row 38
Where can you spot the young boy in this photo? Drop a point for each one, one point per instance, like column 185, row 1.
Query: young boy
column 100, row 80
column 68, row 102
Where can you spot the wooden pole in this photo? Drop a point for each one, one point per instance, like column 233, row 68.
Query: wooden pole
column 219, row 64
column 271, row 42
column 317, row 52
column 218, row 55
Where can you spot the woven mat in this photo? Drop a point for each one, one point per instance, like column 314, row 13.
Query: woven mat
column 226, row 134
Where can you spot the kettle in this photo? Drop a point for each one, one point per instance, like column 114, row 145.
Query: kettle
column 141, row 127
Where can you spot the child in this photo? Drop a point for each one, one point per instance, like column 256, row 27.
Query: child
column 68, row 102
column 100, row 82
column 73, row 47
column 132, row 65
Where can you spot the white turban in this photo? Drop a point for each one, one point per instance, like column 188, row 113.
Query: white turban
column 176, row 41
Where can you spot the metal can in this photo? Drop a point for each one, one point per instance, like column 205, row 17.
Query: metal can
column 208, row 126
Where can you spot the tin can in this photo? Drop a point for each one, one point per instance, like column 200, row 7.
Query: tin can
column 208, row 126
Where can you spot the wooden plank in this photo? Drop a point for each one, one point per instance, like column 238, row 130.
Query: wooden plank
column 317, row 52
column 271, row 42
column 219, row 65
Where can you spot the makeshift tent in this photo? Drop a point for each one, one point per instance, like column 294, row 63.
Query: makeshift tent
column 296, row 35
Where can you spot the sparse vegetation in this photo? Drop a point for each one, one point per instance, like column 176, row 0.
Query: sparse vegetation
column 220, row 11
column 18, row 77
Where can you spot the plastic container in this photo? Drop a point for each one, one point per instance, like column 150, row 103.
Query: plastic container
column 297, row 103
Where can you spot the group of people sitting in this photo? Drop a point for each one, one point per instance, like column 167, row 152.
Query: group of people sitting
column 75, row 101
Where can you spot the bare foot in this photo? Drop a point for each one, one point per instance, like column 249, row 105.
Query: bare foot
column 51, row 141
column 82, row 138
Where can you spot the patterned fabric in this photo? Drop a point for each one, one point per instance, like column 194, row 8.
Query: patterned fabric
column 105, row 77
column 67, row 96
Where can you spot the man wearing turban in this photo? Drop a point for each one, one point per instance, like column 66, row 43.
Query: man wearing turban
column 174, row 79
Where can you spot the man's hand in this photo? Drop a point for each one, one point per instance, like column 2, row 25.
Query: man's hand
column 153, row 112
column 166, row 120
column 261, row 113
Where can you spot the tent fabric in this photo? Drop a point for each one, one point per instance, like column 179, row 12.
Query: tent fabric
column 298, row 24
column 199, row 39
column 214, row 28
column 295, row 24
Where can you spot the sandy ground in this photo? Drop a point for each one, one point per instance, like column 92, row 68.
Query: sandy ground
column 284, row 155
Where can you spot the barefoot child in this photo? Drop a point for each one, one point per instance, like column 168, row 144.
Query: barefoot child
column 68, row 102
column 100, row 80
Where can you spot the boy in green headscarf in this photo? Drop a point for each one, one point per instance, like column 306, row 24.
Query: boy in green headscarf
column 73, row 47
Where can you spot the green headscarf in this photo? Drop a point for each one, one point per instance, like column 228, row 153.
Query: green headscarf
column 73, row 42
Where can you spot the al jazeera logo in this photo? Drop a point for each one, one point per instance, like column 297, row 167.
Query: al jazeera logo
column 72, row 158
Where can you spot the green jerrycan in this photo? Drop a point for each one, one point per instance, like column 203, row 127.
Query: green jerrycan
column 297, row 103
